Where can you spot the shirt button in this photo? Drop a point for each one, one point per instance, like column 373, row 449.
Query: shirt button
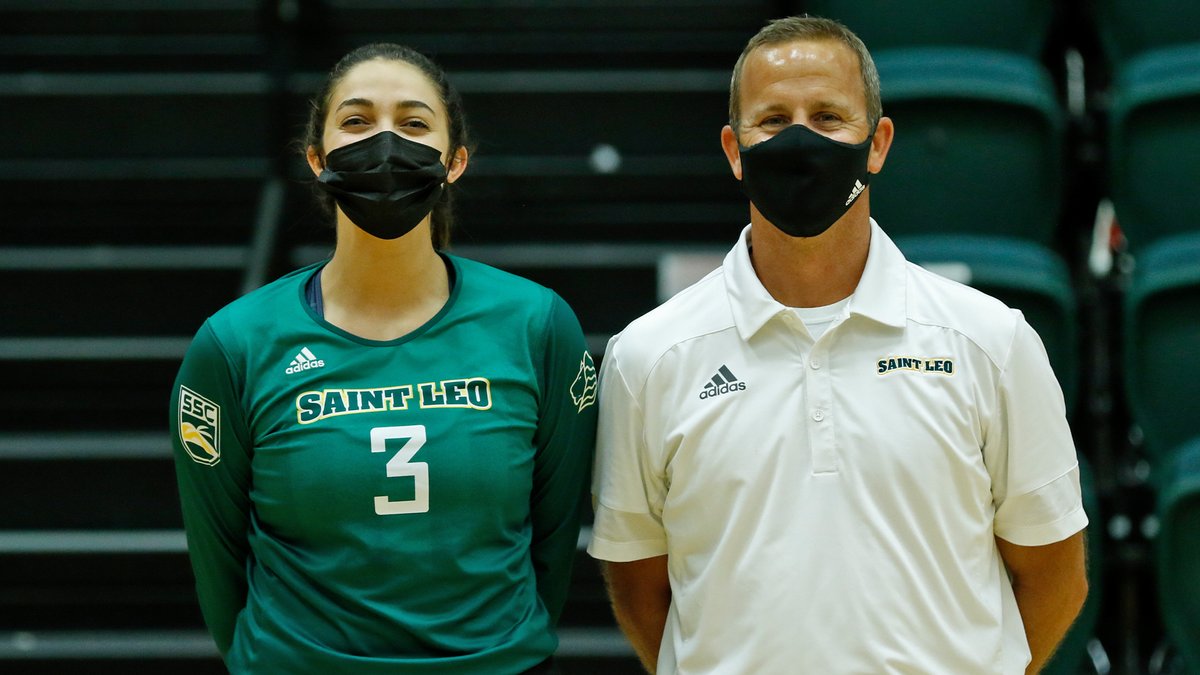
column 814, row 364
column 818, row 415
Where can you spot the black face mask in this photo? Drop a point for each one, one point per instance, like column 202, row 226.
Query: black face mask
column 385, row 184
column 802, row 181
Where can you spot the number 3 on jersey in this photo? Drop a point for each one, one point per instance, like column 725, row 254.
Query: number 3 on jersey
column 401, row 465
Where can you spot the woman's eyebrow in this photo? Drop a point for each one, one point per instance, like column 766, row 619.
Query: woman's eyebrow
column 353, row 102
column 367, row 103
column 416, row 104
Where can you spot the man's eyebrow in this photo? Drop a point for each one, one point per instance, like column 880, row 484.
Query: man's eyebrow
column 826, row 104
column 773, row 107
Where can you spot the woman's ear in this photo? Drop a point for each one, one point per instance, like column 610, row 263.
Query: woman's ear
column 458, row 164
column 315, row 161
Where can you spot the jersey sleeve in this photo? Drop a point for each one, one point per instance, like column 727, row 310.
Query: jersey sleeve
column 629, row 489
column 1029, row 451
column 212, row 467
column 564, row 441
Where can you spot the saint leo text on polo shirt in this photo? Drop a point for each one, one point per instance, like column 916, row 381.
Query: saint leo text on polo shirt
column 886, row 365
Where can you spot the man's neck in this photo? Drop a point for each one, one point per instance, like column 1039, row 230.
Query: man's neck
column 811, row 271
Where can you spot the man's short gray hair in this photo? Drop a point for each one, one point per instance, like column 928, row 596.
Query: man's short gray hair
column 809, row 28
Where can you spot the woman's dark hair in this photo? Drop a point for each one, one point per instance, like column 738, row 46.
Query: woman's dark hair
column 314, row 131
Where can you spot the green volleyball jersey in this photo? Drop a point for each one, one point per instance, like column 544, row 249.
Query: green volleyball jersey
column 408, row 506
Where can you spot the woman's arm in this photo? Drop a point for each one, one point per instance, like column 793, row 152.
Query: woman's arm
column 212, row 466
column 564, row 440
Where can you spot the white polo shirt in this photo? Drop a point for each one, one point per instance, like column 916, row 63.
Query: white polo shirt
column 830, row 506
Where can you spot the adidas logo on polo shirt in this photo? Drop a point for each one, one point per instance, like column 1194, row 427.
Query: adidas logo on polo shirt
column 723, row 382
column 305, row 360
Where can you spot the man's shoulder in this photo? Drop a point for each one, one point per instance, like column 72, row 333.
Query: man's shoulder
column 698, row 310
column 935, row 300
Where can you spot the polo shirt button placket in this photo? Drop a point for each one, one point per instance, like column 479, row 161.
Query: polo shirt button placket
column 821, row 432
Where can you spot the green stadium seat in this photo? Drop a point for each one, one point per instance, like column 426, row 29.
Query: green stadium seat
column 1023, row 275
column 977, row 147
column 1162, row 343
column 1130, row 27
column 1178, row 552
column 1020, row 26
column 1154, row 145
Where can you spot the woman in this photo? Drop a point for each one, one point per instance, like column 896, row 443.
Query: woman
column 381, row 456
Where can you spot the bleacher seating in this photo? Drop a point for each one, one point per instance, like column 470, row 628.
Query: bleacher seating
column 1019, row 26
column 133, row 35
column 978, row 145
column 520, row 35
column 145, row 189
column 1162, row 336
column 139, row 203
column 1178, row 551
column 1129, row 28
column 1154, row 144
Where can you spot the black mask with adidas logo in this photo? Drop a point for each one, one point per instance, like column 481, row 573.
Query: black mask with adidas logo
column 802, row 181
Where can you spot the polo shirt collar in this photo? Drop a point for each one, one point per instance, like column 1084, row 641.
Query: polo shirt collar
column 880, row 295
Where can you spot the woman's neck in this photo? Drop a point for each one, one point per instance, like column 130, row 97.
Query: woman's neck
column 383, row 289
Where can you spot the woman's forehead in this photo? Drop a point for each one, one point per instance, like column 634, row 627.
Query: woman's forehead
column 385, row 81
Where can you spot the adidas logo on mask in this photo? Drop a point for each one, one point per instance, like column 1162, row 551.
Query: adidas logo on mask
column 858, row 188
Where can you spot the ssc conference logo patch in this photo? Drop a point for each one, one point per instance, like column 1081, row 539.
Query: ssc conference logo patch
column 583, row 389
column 199, row 427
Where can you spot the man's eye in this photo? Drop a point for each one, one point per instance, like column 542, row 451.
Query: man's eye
column 774, row 120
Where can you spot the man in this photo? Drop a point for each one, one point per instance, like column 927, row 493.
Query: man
column 821, row 458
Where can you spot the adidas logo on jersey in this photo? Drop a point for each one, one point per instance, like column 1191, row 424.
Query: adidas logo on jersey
column 723, row 382
column 305, row 360
column 858, row 187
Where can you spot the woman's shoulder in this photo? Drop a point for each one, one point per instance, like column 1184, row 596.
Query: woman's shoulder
column 264, row 306
column 497, row 285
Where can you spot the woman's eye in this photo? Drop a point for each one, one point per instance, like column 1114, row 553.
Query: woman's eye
column 353, row 121
column 416, row 124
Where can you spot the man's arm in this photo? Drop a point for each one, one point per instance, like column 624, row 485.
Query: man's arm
column 641, row 595
column 1050, row 584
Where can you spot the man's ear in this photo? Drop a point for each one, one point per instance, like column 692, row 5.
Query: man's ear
column 733, row 153
column 881, row 142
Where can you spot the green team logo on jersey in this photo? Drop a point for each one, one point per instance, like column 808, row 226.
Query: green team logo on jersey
column 583, row 389
column 199, row 427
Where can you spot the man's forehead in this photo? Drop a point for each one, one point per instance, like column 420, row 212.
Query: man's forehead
column 828, row 64
column 821, row 53
column 802, row 52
